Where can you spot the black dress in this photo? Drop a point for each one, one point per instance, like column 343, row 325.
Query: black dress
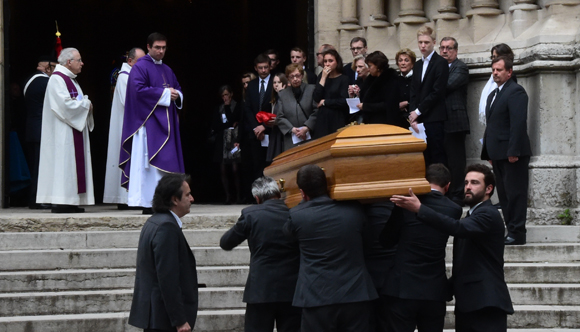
column 218, row 127
column 334, row 114
column 380, row 99
column 405, row 87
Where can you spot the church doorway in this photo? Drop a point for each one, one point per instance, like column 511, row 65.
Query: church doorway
column 210, row 43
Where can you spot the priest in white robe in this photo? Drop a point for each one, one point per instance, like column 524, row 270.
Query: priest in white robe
column 65, row 173
column 114, row 193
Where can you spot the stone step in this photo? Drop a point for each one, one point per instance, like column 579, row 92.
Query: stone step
column 95, row 279
column 536, row 318
column 96, row 239
column 30, row 260
column 233, row 276
column 207, row 321
column 198, row 237
column 111, row 300
column 118, row 300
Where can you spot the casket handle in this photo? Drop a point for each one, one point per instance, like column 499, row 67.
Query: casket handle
column 282, row 182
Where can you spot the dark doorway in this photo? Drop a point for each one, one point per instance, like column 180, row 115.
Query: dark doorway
column 210, row 43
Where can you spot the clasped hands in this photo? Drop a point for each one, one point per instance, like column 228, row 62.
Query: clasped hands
column 300, row 132
column 174, row 94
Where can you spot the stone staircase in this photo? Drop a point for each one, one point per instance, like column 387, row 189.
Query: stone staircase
column 82, row 280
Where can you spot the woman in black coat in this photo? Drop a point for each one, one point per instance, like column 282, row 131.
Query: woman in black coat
column 330, row 94
column 405, row 61
column 379, row 93
column 226, row 117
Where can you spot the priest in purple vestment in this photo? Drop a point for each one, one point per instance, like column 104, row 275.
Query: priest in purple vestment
column 151, row 143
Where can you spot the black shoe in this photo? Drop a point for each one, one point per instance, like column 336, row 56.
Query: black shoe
column 36, row 206
column 147, row 211
column 510, row 241
column 67, row 209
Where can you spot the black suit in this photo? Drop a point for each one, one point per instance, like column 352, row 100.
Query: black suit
column 311, row 77
column 274, row 263
column 165, row 294
column 429, row 97
column 416, row 286
column 506, row 135
column 253, row 154
column 34, row 101
column 347, row 70
column 333, row 287
column 456, row 126
column 478, row 276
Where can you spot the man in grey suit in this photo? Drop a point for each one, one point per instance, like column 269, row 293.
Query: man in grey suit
column 295, row 109
column 457, row 124
column 482, row 299
column 507, row 145
column 274, row 261
column 334, row 288
column 165, row 295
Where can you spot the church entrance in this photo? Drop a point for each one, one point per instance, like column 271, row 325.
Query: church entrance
column 210, row 43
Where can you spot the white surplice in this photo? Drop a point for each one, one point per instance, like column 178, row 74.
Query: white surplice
column 114, row 193
column 57, row 178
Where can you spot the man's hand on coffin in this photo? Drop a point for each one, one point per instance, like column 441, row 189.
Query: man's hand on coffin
column 410, row 202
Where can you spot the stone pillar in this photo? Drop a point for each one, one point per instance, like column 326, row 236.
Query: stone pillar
column 447, row 11
column 349, row 20
column 411, row 12
column 562, row 6
column 524, row 15
column 484, row 8
column 483, row 18
column 377, row 16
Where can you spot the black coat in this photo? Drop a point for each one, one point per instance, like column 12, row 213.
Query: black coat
column 506, row 133
column 429, row 95
column 478, row 248
column 419, row 269
column 232, row 113
column 252, row 107
column 351, row 74
column 380, row 99
column 334, row 114
column 456, row 98
column 165, row 294
column 34, row 101
column 274, row 259
column 332, row 268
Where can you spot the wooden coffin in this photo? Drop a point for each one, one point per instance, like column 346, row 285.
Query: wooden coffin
column 362, row 162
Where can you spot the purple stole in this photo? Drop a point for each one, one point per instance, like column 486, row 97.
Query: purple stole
column 78, row 139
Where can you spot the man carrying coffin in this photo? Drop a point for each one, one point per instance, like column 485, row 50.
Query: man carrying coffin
column 151, row 143
column 65, row 174
column 114, row 193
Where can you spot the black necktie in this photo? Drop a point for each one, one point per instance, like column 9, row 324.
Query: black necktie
column 490, row 101
column 262, row 94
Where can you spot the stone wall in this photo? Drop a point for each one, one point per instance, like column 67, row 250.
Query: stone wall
column 544, row 36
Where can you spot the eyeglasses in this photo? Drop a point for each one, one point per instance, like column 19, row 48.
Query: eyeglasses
column 446, row 48
column 297, row 76
column 356, row 48
column 79, row 60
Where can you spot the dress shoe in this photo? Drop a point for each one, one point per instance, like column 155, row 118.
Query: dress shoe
column 147, row 211
column 67, row 209
column 510, row 241
column 36, row 206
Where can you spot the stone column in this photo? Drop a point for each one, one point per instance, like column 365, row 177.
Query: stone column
column 562, row 7
column 524, row 15
column 411, row 12
column 484, row 8
column 447, row 11
column 349, row 20
column 377, row 16
column 483, row 18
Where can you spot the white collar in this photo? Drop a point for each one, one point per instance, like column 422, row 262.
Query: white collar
column 177, row 219
column 501, row 86
column 65, row 71
column 126, row 67
column 409, row 74
column 428, row 58
column 157, row 62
